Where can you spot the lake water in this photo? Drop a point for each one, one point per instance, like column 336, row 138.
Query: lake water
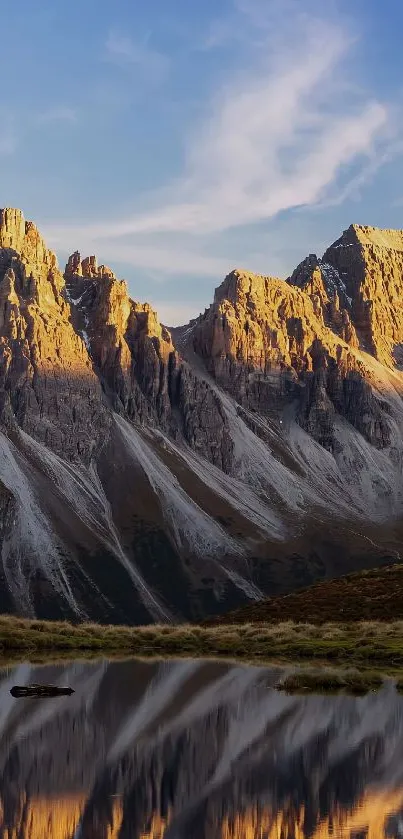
column 195, row 750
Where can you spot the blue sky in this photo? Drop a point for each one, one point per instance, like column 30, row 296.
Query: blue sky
column 177, row 139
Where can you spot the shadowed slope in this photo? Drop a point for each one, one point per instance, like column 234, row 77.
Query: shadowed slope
column 375, row 595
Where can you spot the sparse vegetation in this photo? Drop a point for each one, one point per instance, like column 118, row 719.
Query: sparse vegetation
column 331, row 681
column 362, row 643
column 375, row 595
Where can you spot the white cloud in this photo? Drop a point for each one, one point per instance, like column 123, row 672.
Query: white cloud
column 271, row 142
column 169, row 261
column 122, row 50
column 366, row 174
column 58, row 113
column 165, row 261
column 285, row 130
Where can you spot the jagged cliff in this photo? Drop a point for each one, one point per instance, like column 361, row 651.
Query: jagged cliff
column 152, row 474
column 47, row 384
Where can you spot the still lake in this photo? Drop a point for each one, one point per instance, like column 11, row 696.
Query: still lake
column 195, row 750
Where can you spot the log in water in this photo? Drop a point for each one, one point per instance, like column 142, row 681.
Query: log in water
column 19, row 691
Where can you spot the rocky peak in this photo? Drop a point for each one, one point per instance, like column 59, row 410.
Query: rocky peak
column 366, row 235
column 134, row 356
column 270, row 342
column 327, row 291
column 242, row 287
column 12, row 229
column 88, row 267
column 24, row 239
column 103, row 301
column 316, row 276
column 257, row 320
column 73, row 266
column 370, row 262
column 47, row 385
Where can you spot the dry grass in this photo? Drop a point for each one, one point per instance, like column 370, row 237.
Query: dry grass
column 331, row 681
column 365, row 642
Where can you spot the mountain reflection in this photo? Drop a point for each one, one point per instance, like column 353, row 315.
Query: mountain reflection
column 193, row 750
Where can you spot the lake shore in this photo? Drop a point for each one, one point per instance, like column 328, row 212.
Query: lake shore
column 362, row 644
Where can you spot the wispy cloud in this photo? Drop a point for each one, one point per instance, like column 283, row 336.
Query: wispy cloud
column 165, row 261
column 353, row 187
column 272, row 142
column 57, row 113
column 124, row 51
column 285, row 130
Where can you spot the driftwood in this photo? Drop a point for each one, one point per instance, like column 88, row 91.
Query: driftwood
column 19, row 691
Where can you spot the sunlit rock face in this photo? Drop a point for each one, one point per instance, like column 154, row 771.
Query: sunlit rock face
column 371, row 263
column 47, row 385
column 134, row 356
column 194, row 749
column 271, row 344
column 149, row 474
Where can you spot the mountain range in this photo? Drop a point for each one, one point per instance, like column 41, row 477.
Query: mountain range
column 152, row 474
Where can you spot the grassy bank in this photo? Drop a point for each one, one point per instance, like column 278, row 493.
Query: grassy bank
column 352, row 682
column 377, row 644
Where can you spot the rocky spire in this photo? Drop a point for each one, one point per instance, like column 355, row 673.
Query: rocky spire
column 88, row 267
column 370, row 262
column 47, row 384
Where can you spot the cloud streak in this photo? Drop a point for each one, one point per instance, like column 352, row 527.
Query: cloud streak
column 285, row 132
column 168, row 261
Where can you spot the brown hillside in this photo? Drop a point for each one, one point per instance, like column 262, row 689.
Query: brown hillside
column 368, row 595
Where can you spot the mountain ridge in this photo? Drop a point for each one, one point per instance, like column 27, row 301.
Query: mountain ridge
column 153, row 474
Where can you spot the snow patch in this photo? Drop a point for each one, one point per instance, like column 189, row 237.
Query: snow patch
column 85, row 338
column 188, row 331
column 77, row 300
column 333, row 281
